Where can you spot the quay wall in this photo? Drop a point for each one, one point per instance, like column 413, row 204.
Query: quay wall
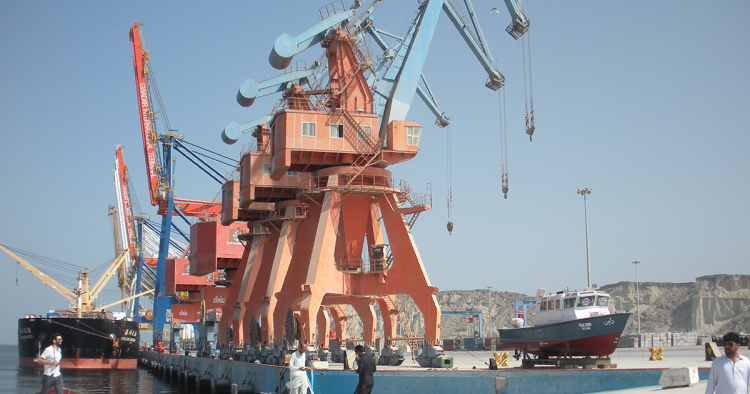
column 195, row 375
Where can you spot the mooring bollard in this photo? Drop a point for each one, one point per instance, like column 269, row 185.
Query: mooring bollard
column 223, row 387
column 175, row 378
column 182, row 381
column 207, row 385
column 190, row 382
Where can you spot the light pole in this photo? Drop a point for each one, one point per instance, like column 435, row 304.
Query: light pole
column 637, row 301
column 584, row 193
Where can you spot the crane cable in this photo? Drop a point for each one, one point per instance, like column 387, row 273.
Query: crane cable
column 528, row 94
column 449, row 182
column 503, row 142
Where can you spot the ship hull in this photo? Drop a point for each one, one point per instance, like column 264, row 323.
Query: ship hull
column 594, row 336
column 88, row 343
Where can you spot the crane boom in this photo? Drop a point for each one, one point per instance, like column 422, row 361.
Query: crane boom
column 108, row 274
column 69, row 295
column 124, row 208
column 102, row 308
column 148, row 126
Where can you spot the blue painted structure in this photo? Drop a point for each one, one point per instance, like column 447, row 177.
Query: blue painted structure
column 266, row 378
column 469, row 312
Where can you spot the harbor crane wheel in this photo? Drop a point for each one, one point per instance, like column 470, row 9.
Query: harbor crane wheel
column 291, row 327
column 253, row 332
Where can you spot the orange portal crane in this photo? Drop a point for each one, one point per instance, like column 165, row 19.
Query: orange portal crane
column 335, row 204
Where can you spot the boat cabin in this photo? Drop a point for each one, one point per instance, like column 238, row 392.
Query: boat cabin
column 567, row 306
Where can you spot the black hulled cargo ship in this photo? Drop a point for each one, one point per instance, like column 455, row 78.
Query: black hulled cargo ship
column 93, row 341
column 93, row 337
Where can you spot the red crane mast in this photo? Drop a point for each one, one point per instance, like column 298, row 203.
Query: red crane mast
column 156, row 184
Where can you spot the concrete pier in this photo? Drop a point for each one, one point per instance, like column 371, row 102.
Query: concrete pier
column 205, row 375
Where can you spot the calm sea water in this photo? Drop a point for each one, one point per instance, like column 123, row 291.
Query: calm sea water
column 14, row 379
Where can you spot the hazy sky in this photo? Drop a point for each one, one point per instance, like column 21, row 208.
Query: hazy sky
column 646, row 102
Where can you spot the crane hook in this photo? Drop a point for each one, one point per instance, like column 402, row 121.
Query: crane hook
column 450, row 227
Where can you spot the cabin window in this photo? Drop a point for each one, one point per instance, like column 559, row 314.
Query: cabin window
column 308, row 129
column 543, row 306
column 550, row 305
column 557, row 304
column 292, row 173
column 267, row 169
column 365, row 133
column 412, row 135
column 570, row 302
column 337, row 131
column 602, row 301
column 228, row 194
column 586, row 301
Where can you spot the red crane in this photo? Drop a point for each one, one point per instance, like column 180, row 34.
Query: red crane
column 157, row 184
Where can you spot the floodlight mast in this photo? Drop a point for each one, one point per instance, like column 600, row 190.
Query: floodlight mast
column 584, row 193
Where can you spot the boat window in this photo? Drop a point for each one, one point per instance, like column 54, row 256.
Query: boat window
column 586, row 301
column 570, row 302
column 543, row 306
column 551, row 304
column 602, row 301
column 557, row 303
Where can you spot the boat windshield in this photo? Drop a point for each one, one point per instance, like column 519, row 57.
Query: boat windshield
column 570, row 302
column 602, row 301
column 586, row 301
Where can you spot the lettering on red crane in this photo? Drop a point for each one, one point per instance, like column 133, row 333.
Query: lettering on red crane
column 146, row 120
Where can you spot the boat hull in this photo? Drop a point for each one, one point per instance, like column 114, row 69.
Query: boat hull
column 88, row 343
column 593, row 336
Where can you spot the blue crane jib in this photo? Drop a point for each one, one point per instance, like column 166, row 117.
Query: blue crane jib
column 397, row 75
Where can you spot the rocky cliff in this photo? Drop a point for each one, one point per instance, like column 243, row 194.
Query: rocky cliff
column 711, row 305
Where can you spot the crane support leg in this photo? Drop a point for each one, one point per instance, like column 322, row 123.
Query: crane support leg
column 279, row 269
column 366, row 311
column 408, row 267
column 324, row 323
column 387, row 305
column 322, row 255
column 291, row 291
column 258, row 283
column 364, row 307
column 339, row 321
column 234, row 308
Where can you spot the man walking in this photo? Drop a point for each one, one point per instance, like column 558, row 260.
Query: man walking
column 298, row 383
column 730, row 373
column 365, row 369
column 50, row 358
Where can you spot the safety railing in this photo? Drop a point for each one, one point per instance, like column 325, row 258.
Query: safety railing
column 365, row 183
column 363, row 266
column 420, row 199
column 331, row 8
column 257, row 229
column 297, row 212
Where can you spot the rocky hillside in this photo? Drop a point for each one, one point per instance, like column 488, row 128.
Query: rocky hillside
column 711, row 305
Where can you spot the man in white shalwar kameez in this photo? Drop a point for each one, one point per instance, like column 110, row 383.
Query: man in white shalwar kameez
column 298, row 383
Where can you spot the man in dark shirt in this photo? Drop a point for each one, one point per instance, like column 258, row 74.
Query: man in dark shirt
column 365, row 369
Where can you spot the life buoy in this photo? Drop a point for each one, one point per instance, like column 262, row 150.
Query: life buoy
column 149, row 315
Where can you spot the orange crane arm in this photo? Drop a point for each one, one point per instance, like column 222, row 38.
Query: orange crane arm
column 122, row 183
column 148, row 128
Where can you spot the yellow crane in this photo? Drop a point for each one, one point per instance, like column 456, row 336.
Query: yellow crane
column 81, row 298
